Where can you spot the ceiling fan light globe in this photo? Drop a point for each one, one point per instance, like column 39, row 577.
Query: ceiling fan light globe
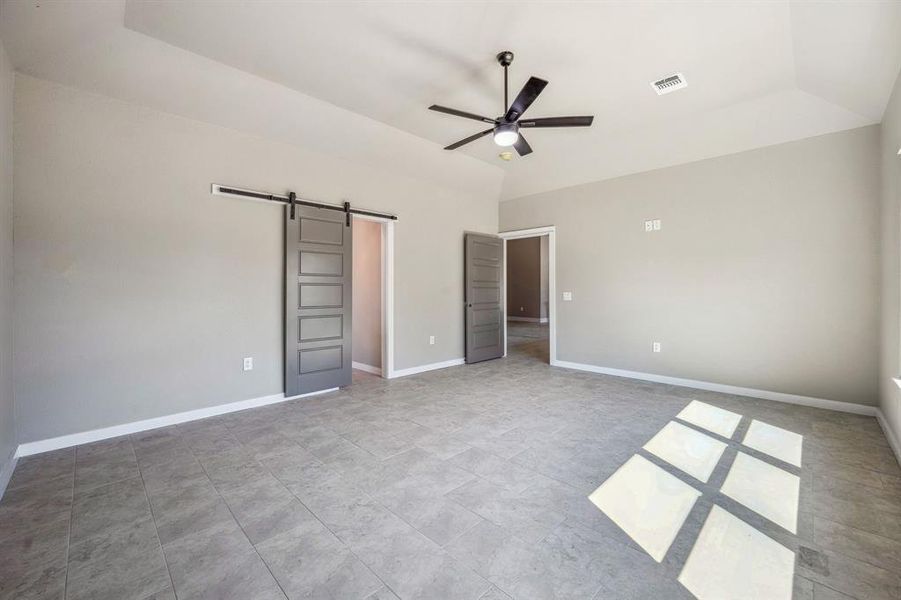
column 506, row 135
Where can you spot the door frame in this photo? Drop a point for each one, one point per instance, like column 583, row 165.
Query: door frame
column 387, row 266
column 551, row 232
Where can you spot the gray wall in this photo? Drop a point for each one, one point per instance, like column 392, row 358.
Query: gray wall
column 765, row 273
column 890, row 395
column 139, row 292
column 367, row 305
column 524, row 278
column 7, row 408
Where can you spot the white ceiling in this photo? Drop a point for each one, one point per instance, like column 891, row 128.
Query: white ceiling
column 759, row 73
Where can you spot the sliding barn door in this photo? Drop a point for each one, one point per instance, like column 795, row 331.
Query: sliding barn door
column 483, row 259
column 318, row 267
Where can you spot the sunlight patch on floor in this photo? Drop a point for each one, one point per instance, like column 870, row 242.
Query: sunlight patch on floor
column 711, row 418
column 775, row 441
column 689, row 450
column 647, row 503
column 731, row 559
column 767, row 490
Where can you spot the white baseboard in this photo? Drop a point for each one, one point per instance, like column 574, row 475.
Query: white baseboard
column 367, row 368
column 526, row 319
column 848, row 407
column 889, row 434
column 454, row 362
column 95, row 435
column 6, row 472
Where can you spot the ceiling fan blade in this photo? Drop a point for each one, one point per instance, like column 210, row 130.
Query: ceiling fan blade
column 522, row 146
column 525, row 98
column 460, row 113
column 471, row 138
column 557, row 122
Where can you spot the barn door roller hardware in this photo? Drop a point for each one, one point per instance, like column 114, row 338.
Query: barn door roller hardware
column 291, row 200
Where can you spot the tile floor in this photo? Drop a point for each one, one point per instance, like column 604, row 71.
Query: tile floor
column 469, row 482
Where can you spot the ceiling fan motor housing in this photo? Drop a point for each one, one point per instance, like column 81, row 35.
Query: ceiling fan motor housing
column 505, row 58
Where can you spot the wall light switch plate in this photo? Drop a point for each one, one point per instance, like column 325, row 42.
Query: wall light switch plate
column 656, row 347
column 649, row 225
column 656, row 224
column 248, row 363
column 431, row 340
column 567, row 296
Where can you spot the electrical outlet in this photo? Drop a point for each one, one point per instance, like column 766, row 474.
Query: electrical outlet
column 248, row 363
column 431, row 340
column 567, row 296
column 521, row 309
column 656, row 347
column 656, row 224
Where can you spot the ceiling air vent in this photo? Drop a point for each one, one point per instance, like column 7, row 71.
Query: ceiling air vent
column 669, row 84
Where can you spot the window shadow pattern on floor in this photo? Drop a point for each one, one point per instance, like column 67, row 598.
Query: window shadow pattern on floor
column 730, row 558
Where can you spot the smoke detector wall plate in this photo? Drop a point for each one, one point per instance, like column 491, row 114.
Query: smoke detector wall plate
column 668, row 84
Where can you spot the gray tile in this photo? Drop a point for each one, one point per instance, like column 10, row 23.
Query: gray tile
column 438, row 518
column 266, row 508
column 125, row 563
column 414, row 567
column 330, row 447
column 494, row 593
column 866, row 547
column 803, row 589
column 848, row 575
column 493, row 553
column 104, row 509
column 233, row 466
column 181, row 469
column 44, row 582
column 37, row 546
column 166, row 594
column 265, row 441
column 290, row 466
column 32, row 565
column 495, row 469
column 442, row 446
column 310, row 562
column 505, row 508
column 42, row 467
column 188, row 509
column 114, row 463
column 219, row 564
column 574, row 562
column 383, row 593
column 27, row 509
column 120, row 445
column 821, row 592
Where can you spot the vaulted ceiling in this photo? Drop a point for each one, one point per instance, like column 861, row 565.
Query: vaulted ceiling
column 759, row 73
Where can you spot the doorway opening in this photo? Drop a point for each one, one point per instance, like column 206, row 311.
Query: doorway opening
column 529, row 294
column 373, row 299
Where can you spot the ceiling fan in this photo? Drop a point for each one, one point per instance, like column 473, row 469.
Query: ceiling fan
column 506, row 128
